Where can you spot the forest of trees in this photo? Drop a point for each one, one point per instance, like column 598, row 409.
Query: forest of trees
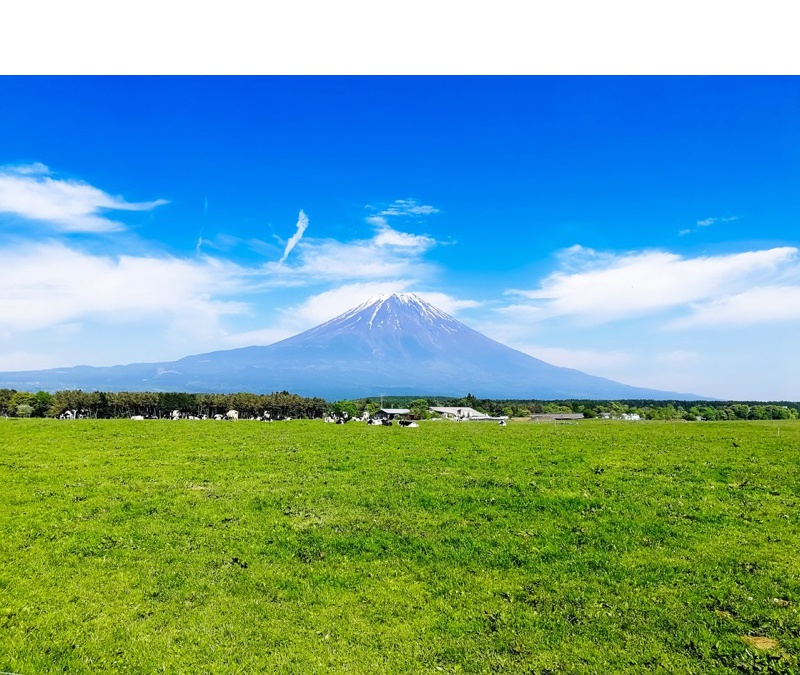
column 98, row 404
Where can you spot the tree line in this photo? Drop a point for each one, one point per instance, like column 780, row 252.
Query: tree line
column 99, row 404
column 645, row 408
column 123, row 404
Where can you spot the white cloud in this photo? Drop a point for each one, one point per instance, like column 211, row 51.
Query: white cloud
column 378, row 221
column 389, row 254
column 656, row 320
column 386, row 236
column 50, row 284
column 610, row 288
column 760, row 305
column 302, row 224
column 66, row 205
column 447, row 303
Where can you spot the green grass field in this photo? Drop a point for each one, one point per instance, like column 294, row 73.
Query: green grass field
column 303, row 547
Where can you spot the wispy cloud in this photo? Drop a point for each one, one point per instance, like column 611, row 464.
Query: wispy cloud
column 399, row 208
column 30, row 192
column 707, row 222
column 302, row 224
column 609, row 287
column 200, row 242
column 407, row 207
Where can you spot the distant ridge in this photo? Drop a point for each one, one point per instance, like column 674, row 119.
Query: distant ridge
column 395, row 344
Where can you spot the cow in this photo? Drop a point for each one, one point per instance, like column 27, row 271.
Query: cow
column 232, row 415
column 138, row 418
column 175, row 415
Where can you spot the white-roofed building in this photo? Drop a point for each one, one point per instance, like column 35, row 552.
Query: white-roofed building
column 459, row 413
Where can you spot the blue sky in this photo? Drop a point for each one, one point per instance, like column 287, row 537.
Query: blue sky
column 639, row 228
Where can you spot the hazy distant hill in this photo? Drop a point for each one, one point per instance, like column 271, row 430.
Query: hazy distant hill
column 393, row 345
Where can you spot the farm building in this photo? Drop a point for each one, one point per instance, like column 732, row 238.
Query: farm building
column 459, row 413
column 463, row 413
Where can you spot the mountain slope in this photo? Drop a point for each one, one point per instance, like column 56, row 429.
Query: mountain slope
column 398, row 345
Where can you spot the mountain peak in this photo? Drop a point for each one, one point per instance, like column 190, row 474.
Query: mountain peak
column 405, row 298
column 396, row 312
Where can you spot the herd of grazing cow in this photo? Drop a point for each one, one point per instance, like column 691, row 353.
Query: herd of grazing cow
column 233, row 416
column 344, row 418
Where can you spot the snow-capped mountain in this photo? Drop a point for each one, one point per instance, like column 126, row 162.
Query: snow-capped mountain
column 397, row 344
